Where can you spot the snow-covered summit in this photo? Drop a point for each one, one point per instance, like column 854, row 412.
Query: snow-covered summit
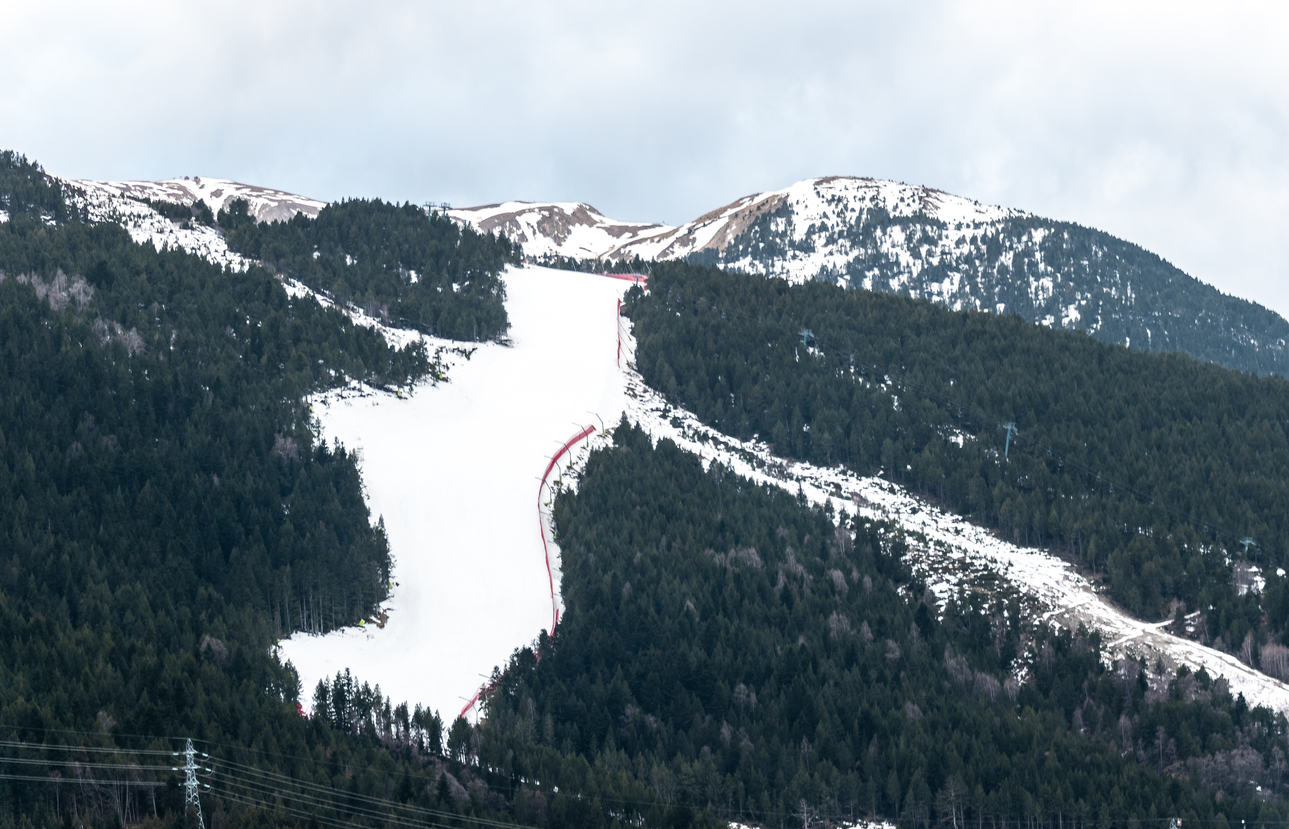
column 579, row 230
column 832, row 201
column 266, row 204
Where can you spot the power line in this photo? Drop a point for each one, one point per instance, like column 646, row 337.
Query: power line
column 277, row 777
column 87, row 765
column 78, row 780
column 87, row 749
column 249, row 790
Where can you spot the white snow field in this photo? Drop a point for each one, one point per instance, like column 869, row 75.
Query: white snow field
column 454, row 471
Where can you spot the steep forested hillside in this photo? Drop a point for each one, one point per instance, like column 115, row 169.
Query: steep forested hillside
column 410, row 270
column 730, row 653
column 166, row 512
column 1147, row 469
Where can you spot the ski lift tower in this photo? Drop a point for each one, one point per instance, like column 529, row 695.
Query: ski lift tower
column 806, row 336
column 1011, row 430
column 1247, row 542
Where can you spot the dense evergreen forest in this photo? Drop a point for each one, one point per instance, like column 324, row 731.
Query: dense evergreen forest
column 166, row 512
column 1146, row 469
column 730, row 653
column 397, row 264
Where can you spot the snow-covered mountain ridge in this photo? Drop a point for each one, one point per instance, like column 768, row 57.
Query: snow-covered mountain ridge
column 924, row 243
column 266, row 204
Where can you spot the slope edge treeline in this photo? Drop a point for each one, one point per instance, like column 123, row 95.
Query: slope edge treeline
column 409, row 270
column 1146, row 469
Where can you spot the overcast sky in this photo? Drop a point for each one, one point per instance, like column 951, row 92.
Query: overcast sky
column 1164, row 123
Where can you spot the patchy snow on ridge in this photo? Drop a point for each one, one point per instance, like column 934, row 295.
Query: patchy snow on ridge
column 145, row 225
column 266, row 204
column 580, row 231
column 453, row 470
column 568, row 229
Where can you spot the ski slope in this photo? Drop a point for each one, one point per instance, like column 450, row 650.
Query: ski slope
column 454, row 471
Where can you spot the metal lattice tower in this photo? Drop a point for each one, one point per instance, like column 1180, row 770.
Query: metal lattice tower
column 190, row 783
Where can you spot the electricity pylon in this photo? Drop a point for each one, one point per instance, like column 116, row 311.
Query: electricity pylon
column 190, row 783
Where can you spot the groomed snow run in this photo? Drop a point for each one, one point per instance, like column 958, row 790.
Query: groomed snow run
column 454, row 470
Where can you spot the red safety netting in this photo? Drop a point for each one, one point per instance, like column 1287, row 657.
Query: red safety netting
column 541, row 527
